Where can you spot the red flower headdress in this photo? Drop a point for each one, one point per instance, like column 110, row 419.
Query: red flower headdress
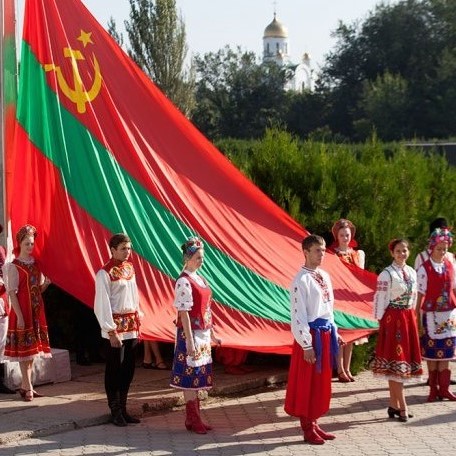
column 440, row 235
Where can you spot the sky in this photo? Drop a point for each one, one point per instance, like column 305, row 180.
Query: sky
column 212, row 24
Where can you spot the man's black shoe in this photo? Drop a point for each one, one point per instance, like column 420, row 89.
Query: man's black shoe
column 131, row 419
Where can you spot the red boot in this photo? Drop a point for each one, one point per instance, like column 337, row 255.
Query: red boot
column 192, row 420
column 444, row 384
column 324, row 435
column 208, row 428
column 433, row 386
column 310, row 434
column 188, row 416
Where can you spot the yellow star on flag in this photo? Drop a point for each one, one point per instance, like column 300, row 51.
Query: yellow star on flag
column 85, row 38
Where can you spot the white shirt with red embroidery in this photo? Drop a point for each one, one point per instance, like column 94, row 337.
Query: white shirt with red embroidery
column 115, row 297
column 391, row 284
column 311, row 297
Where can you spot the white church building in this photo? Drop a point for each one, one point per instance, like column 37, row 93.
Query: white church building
column 276, row 48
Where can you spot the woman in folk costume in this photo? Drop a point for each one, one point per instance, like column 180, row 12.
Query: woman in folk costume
column 436, row 313
column 439, row 222
column 344, row 240
column 397, row 353
column 316, row 343
column 27, row 329
column 343, row 232
column 192, row 365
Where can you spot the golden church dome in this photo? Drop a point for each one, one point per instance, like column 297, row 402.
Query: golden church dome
column 275, row 30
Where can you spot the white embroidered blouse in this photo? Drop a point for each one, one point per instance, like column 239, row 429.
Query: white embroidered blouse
column 115, row 297
column 392, row 284
column 424, row 255
column 311, row 297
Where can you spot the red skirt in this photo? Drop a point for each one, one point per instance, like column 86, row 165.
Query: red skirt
column 31, row 341
column 398, row 353
column 308, row 391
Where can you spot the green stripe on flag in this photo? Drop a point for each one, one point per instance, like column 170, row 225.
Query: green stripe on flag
column 92, row 176
column 349, row 321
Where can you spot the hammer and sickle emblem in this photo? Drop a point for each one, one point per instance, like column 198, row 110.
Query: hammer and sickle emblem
column 77, row 94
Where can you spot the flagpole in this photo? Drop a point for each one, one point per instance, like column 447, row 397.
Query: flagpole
column 8, row 97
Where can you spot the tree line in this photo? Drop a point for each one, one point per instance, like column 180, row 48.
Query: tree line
column 386, row 189
column 394, row 73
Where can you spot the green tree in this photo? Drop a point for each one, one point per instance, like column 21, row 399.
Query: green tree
column 157, row 43
column 385, row 103
column 112, row 30
column 236, row 96
column 307, row 113
column 413, row 40
column 386, row 189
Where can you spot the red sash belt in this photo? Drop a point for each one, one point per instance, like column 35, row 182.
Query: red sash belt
column 126, row 322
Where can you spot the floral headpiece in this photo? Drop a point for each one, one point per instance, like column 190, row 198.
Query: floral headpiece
column 192, row 244
column 26, row 230
column 440, row 235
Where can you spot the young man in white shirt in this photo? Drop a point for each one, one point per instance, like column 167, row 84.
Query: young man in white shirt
column 117, row 310
column 316, row 343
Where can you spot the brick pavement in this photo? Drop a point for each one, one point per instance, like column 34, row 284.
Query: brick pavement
column 255, row 424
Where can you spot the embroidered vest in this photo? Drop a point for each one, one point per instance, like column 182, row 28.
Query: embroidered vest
column 439, row 295
column 118, row 270
column 200, row 314
column 29, row 292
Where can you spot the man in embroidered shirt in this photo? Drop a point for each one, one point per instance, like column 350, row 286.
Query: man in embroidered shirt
column 117, row 310
column 316, row 343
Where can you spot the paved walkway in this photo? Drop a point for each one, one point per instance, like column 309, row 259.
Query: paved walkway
column 244, row 424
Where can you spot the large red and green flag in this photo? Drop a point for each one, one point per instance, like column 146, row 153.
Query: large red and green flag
column 99, row 150
column 8, row 88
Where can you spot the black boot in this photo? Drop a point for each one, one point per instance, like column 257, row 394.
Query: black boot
column 3, row 388
column 117, row 417
column 123, row 406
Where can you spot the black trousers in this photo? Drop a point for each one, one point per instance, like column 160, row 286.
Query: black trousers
column 119, row 371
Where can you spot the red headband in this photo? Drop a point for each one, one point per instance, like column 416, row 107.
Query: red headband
column 26, row 230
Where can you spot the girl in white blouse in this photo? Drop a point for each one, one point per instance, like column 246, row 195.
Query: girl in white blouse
column 397, row 354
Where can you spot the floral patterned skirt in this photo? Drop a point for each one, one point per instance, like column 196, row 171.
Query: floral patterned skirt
column 397, row 353
column 192, row 373
column 438, row 343
column 33, row 339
